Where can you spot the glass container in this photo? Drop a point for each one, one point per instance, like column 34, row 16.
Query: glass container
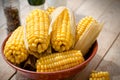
column 39, row 4
column 11, row 11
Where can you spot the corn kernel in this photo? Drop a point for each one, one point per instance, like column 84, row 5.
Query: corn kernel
column 61, row 61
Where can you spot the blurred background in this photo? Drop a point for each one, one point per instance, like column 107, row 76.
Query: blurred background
column 2, row 17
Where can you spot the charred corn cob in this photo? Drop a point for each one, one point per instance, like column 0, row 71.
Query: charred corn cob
column 61, row 61
column 49, row 10
column 99, row 76
column 62, row 35
column 87, row 31
column 15, row 50
column 37, row 27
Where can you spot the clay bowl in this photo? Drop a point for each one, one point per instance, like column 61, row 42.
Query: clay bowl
column 57, row 74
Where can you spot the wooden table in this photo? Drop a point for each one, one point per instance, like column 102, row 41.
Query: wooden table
column 108, row 54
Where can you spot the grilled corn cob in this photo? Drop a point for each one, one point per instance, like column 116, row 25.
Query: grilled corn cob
column 49, row 10
column 37, row 26
column 15, row 50
column 99, row 76
column 61, row 61
column 87, row 31
column 63, row 29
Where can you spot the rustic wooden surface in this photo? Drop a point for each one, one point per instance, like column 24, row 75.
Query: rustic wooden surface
column 108, row 54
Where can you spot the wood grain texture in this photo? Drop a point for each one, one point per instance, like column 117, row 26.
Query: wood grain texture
column 75, row 4
column 2, row 16
column 93, row 8
column 111, row 62
column 18, row 76
column 3, row 35
column 5, row 70
column 106, row 37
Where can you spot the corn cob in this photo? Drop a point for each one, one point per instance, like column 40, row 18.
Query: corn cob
column 15, row 50
column 37, row 27
column 49, row 10
column 63, row 60
column 63, row 32
column 83, row 25
column 87, row 31
column 99, row 76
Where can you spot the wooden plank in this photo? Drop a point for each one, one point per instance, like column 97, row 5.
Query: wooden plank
column 5, row 70
column 3, row 35
column 18, row 76
column 2, row 16
column 111, row 62
column 106, row 38
column 92, row 8
column 75, row 4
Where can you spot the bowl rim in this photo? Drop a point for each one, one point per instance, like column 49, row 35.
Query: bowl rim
column 61, row 71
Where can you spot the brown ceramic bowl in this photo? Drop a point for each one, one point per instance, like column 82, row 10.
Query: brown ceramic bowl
column 57, row 74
